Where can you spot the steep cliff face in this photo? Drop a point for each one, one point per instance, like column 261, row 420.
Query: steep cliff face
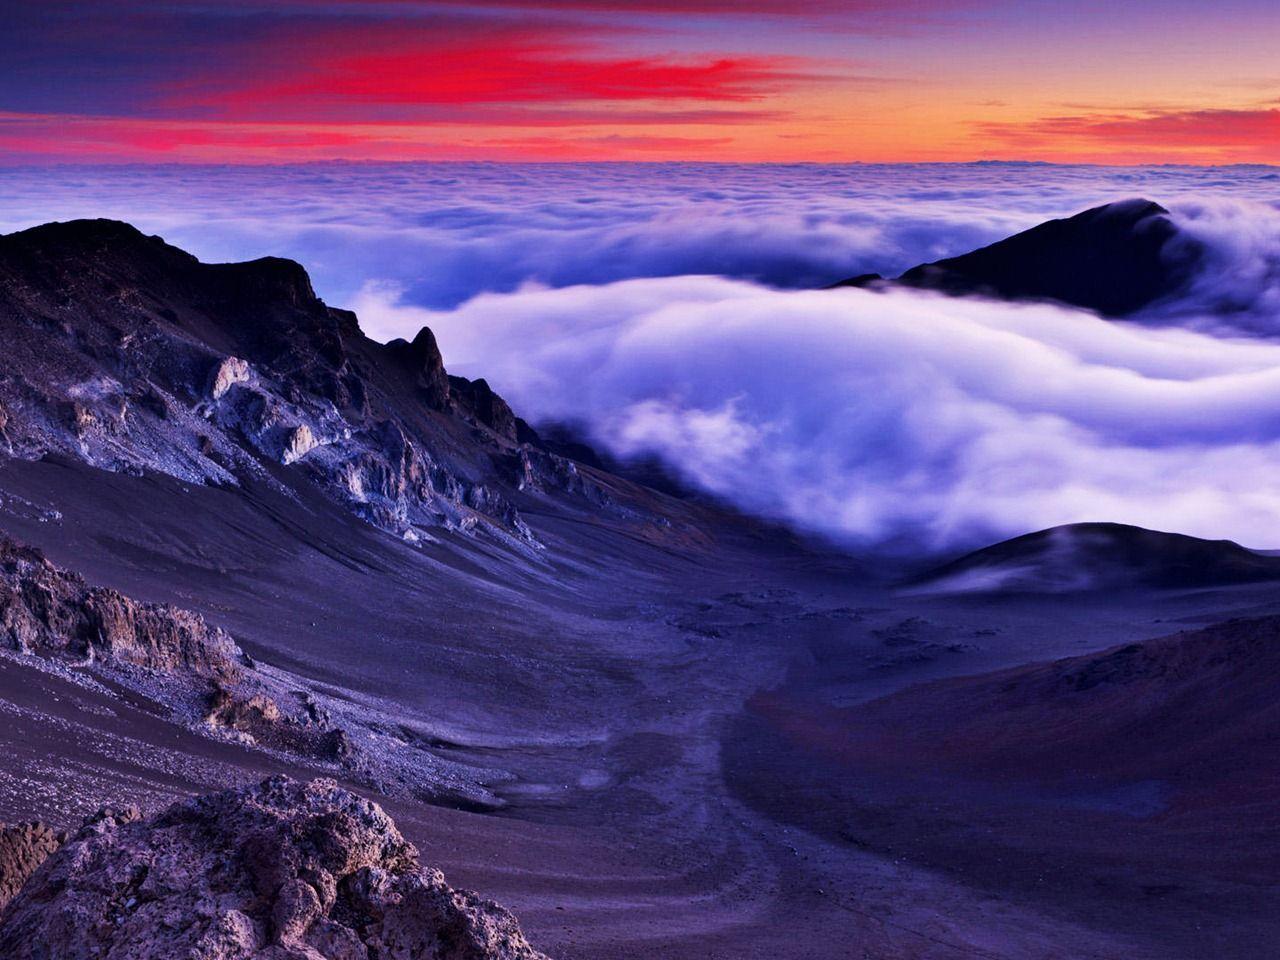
column 131, row 355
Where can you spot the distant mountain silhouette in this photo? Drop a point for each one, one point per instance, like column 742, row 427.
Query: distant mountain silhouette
column 1091, row 556
column 1114, row 259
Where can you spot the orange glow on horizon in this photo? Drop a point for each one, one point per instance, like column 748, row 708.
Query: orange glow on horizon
column 851, row 80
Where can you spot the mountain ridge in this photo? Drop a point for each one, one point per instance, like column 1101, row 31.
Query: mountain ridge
column 128, row 353
column 1116, row 260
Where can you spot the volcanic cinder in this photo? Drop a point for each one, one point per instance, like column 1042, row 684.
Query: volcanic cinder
column 371, row 620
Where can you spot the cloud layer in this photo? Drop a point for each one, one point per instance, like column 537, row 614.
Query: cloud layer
column 904, row 420
column 586, row 293
column 445, row 232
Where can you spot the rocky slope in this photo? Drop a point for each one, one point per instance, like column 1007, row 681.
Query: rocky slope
column 194, row 674
column 131, row 355
column 47, row 610
column 278, row 871
column 655, row 709
column 1101, row 556
column 1114, row 259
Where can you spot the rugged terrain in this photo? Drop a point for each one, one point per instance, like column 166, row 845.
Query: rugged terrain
column 131, row 355
column 246, row 541
column 278, row 871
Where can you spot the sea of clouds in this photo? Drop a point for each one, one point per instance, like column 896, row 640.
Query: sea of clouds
column 675, row 311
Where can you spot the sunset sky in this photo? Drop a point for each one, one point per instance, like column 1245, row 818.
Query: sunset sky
column 768, row 80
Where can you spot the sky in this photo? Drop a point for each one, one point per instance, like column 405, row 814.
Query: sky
column 249, row 81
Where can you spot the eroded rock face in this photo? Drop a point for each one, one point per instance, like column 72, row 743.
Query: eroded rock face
column 226, row 375
column 23, row 847
column 277, row 871
column 131, row 355
column 485, row 406
column 298, row 443
column 195, row 669
column 43, row 608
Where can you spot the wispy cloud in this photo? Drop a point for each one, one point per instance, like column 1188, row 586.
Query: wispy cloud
column 253, row 81
column 1233, row 134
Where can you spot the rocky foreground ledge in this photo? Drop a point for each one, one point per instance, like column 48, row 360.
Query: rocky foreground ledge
column 278, row 871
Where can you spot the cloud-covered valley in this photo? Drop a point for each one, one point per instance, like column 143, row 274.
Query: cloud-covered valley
column 901, row 420
column 673, row 311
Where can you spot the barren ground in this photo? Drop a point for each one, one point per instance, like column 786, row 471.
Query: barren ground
column 609, row 696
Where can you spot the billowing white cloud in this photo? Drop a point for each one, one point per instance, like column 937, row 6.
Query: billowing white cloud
column 1238, row 286
column 648, row 302
column 905, row 420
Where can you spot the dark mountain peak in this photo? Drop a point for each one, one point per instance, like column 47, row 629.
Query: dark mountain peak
column 1114, row 259
column 270, row 278
column 1132, row 209
column 425, row 346
column 104, row 245
column 124, row 253
column 107, row 281
column 1089, row 556
column 423, row 360
column 131, row 354
column 69, row 233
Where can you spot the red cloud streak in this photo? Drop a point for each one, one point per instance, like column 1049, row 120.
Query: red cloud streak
column 1248, row 130
column 506, row 72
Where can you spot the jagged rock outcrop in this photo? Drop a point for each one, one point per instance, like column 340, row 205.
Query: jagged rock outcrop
column 423, row 359
column 45, row 609
column 253, row 717
column 241, row 713
column 131, row 355
column 277, row 871
column 1114, row 259
column 226, row 375
column 486, row 406
column 193, row 669
column 298, row 442
column 23, row 847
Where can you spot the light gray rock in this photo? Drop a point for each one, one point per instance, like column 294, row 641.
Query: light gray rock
column 298, row 443
column 226, row 375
